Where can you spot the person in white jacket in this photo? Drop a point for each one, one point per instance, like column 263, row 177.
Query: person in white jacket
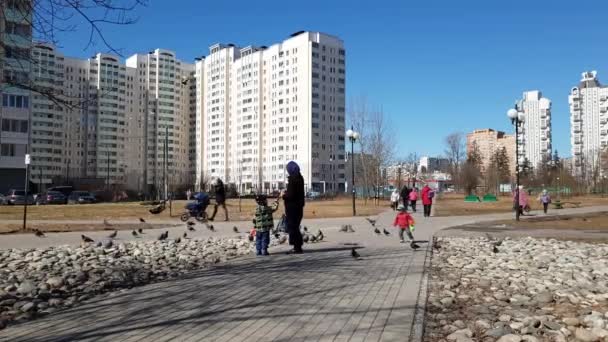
column 395, row 199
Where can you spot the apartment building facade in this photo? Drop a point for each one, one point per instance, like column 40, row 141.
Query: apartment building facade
column 15, row 100
column 266, row 106
column 535, row 132
column 489, row 141
column 588, row 123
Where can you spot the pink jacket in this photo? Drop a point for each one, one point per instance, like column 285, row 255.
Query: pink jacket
column 523, row 197
column 413, row 195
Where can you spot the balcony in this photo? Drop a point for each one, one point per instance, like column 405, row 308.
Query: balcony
column 577, row 128
column 576, row 118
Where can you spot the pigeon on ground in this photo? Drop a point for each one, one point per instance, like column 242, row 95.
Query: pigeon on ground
column 354, row 253
column 235, row 229
column 113, row 235
column 305, row 238
column 377, row 231
column 350, row 229
column 134, row 233
column 106, row 223
column 372, row 222
column 86, row 238
column 142, row 220
column 185, row 236
column 320, row 235
column 344, row 228
column 414, row 246
column 277, row 235
column 178, row 240
column 211, row 228
column 313, row 238
column 436, row 244
column 163, row 236
column 190, row 228
column 386, row 232
column 99, row 244
column 38, row 233
column 494, row 249
column 305, row 229
column 190, row 223
column 140, row 231
column 283, row 239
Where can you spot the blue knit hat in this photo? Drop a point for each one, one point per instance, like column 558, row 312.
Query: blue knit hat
column 293, row 168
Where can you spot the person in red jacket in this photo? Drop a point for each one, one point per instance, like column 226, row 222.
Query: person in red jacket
column 405, row 223
column 427, row 200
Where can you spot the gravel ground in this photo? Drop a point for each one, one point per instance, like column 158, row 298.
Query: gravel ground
column 526, row 289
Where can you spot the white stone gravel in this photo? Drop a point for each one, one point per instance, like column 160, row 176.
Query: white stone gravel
column 36, row 282
column 529, row 290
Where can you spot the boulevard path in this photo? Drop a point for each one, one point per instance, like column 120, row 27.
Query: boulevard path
column 322, row 295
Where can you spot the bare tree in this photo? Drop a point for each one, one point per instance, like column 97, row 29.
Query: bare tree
column 44, row 20
column 455, row 152
column 376, row 141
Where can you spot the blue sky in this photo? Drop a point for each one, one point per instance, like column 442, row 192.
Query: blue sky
column 434, row 66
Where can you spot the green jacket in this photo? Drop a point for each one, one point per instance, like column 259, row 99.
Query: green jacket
column 263, row 221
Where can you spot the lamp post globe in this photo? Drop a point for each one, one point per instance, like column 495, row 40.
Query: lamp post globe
column 353, row 136
column 350, row 133
column 512, row 113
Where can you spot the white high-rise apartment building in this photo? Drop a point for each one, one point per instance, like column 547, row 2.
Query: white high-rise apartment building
column 589, row 123
column 535, row 133
column 266, row 106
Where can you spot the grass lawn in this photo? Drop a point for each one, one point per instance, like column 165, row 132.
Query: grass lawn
column 454, row 204
column 115, row 212
column 595, row 221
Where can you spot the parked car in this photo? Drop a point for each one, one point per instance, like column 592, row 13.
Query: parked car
column 66, row 190
column 51, row 197
column 313, row 195
column 81, row 197
column 16, row 196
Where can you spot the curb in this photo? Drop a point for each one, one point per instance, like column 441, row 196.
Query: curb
column 418, row 322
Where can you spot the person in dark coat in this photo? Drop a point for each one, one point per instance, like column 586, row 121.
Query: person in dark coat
column 294, row 205
column 220, row 198
column 405, row 196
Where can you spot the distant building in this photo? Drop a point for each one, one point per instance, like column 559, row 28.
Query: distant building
column 535, row 133
column 588, row 123
column 488, row 142
column 432, row 164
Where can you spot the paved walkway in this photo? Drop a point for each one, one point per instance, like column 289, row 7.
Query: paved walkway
column 322, row 295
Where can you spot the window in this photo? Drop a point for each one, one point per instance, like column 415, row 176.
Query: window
column 15, row 101
column 7, row 150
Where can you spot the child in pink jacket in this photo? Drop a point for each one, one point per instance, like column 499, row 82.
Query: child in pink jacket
column 413, row 198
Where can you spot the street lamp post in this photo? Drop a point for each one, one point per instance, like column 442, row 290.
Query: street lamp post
column 517, row 118
column 353, row 136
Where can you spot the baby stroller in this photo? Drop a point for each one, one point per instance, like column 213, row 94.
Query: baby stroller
column 197, row 208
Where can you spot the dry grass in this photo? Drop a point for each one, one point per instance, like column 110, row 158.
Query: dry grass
column 132, row 211
column 454, row 204
column 595, row 221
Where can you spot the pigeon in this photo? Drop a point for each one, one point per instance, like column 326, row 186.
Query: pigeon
column 134, row 233
column 142, row 220
column 190, row 223
column 313, row 238
column 495, row 249
column 350, row 229
column 354, row 253
column 163, row 236
column 140, row 231
column 185, row 236
column 283, row 239
column 344, row 228
column 113, row 235
column 178, row 240
column 372, row 222
column 386, row 232
column 211, row 228
column 498, row 243
column 190, row 228
column 377, row 231
column 305, row 229
column 414, row 246
column 38, row 233
column 305, row 238
column 106, row 223
column 235, row 229
column 436, row 244
column 86, row 238
column 320, row 236
column 277, row 235
column 99, row 244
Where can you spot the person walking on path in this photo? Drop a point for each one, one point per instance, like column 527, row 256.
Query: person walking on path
column 413, row 198
column 427, row 200
column 545, row 199
column 395, row 199
column 405, row 195
column 405, row 223
column 263, row 223
column 293, row 199
column 220, row 198
column 522, row 202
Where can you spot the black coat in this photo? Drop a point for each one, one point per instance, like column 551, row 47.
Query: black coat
column 405, row 192
column 294, row 196
column 220, row 192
